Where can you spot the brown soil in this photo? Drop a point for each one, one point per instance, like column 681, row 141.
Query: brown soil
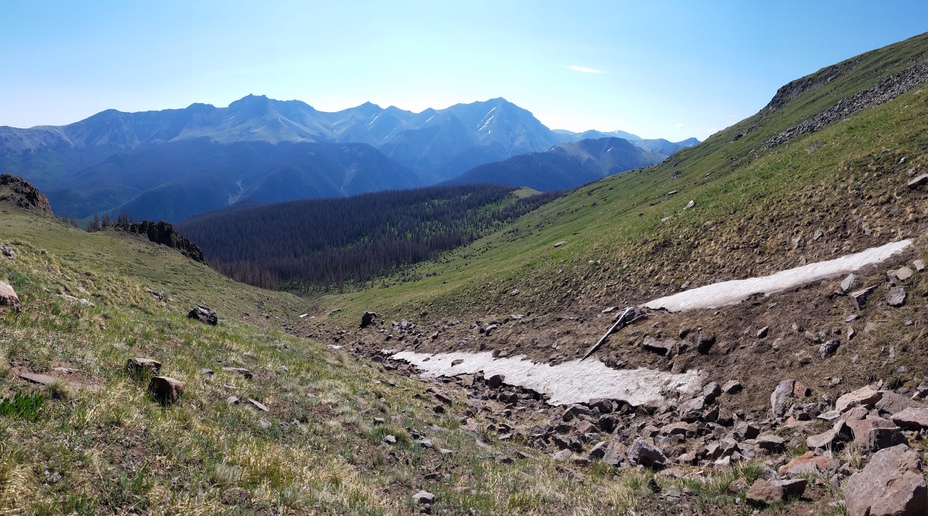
column 885, row 345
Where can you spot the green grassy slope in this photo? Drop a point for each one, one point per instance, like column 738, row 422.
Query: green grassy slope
column 93, row 442
column 629, row 238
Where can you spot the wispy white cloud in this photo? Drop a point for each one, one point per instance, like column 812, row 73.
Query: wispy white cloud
column 585, row 69
column 680, row 125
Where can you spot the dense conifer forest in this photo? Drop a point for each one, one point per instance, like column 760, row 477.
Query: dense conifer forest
column 321, row 244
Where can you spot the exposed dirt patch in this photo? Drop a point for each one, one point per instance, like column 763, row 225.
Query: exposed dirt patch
column 883, row 338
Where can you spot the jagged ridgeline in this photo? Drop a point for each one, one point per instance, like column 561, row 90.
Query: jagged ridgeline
column 319, row 244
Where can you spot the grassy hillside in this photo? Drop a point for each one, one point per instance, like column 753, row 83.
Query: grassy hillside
column 94, row 442
column 630, row 237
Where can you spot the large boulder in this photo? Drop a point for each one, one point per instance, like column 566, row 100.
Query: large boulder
column 875, row 433
column 892, row 403
column 643, row 453
column 8, row 296
column 204, row 314
column 866, row 397
column 891, row 484
column 911, row 418
column 780, row 395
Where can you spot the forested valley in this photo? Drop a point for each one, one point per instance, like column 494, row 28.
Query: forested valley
column 325, row 244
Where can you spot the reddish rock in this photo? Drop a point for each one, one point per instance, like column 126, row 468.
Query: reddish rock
column 911, row 418
column 800, row 390
column 891, row 484
column 866, row 396
column 875, row 433
column 808, row 458
column 767, row 492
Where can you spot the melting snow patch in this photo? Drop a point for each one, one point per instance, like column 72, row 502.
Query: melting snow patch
column 569, row 382
column 735, row 291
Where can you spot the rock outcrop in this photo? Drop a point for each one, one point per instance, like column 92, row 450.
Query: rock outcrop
column 163, row 233
column 21, row 193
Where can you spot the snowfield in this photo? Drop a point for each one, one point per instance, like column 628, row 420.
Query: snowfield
column 735, row 291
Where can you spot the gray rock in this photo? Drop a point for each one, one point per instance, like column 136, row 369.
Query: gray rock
column 599, row 450
column 828, row 348
column 911, row 418
column 8, row 297
column 918, row 181
column 691, row 410
column 919, row 265
column 732, row 387
column 389, row 439
column 848, row 283
column 495, row 381
column 204, row 314
column 761, row 333
column 891, row 484
column 645, row 454
column 8, row 252
column 562, row 455
column 241, row 371
column 711, row 391
column 423, row 497
column 704, row 343
column 771, row 443
column 572, row 411
column 896, row 296
column 903, row 273
column 368, row 318
column 142, row 366
column 780, row 396
column 892, row 403
column 746, row 430
column 257, row 404
column 661, row 347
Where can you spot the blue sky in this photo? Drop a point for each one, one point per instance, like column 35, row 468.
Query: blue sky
column 655, row 68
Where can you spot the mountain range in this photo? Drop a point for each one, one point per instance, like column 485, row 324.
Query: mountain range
column 565, row 166
column 175, row 163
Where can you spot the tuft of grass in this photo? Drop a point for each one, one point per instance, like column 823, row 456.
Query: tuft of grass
column 24, row 406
